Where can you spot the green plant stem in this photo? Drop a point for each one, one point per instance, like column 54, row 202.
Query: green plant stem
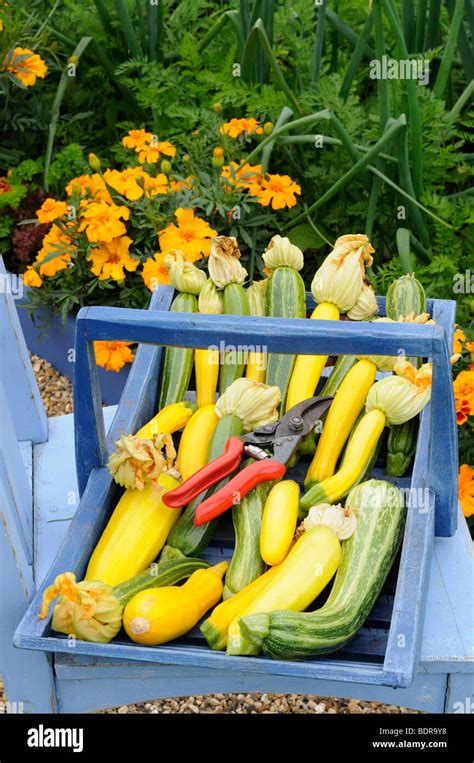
column 104, row 18
column 408, row 20
column 407, row 183
column 232, row 16
column 399, row 190
column 295, row 124
column 346, row 31
column 330, row 141
column 363, row 162
column 449, row 50
column 63, row 82
column 372, row 207
column 258, row 34
column 318, row 45
column 420, row 25
column 403, row 247
column 433, row 25
column 414, row 112
column 285, row 114
column 127, row 28
column 382, row 84
column 356, row 58
column 463, row 44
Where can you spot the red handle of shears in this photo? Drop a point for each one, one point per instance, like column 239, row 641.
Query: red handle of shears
column 207, row 476
column 237, row 487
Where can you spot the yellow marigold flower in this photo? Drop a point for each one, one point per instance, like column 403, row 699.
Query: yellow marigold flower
column 237, row 127
column 102, row 222
column 277, row 190
column 464, row 395
column 155, row 271
column 113, row 355
column 25, row 65
column 92, row 186
column 458, row 340
column 50, row 210
column 151, row 153
column 32, row 278
column 466, row 489
column 192, row 235
column 59, row 243
column 243, row 175
column 470, row 346
column 110, row 259
column 137, row 139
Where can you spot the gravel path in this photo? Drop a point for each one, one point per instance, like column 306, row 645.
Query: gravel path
column 56, row 392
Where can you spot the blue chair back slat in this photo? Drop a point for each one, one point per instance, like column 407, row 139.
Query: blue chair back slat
column 443, row 461
column 17, row 499
column 21, row 390
column 137, row 404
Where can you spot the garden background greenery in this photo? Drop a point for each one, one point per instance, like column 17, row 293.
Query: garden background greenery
column 167, row 120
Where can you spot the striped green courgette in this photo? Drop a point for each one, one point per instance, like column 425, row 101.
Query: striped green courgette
column 178, row 361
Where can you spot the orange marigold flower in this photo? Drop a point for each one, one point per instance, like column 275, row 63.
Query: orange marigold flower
column 155, row 271
column 125, row 182
column 155, row 186
column 152, row 153
column 469, row 346
column 179, row 185
column 192, row 235
column 50, row 210
column 243, row 175
column 4, row 185
column 113, row 355
column 137, row 139
column 458, row 339
column 25, row 65
column 55, row 242
column 31, row 277
column 110, row 259
column 102, row 222
column 466, row 489
column 277, row 190
column 237, row 127
column 90, row 185
column 464, row 395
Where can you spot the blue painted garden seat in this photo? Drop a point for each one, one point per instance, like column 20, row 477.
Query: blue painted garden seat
column 418, row 636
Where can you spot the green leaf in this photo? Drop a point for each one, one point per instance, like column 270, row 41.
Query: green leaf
column 305, row 237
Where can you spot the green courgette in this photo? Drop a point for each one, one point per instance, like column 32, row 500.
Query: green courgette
column 178, row 361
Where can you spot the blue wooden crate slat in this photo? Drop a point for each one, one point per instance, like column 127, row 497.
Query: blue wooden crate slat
column 375, row 655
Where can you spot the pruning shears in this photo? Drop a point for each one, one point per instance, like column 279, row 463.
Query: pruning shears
column 272, row 446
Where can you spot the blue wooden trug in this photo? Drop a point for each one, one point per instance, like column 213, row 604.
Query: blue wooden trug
column 387, row 650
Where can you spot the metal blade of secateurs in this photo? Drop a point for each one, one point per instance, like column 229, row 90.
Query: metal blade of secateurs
column 297, row 423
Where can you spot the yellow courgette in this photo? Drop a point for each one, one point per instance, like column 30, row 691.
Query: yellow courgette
column 279, row 521
column 135, row 533
column 158, row 615
column 168, row 420
column 194, row 443
column 342, row 416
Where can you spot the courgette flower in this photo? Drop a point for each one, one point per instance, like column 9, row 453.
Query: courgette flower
column 224, row 265
column 280, row 252
column 88, row 610
column 256, row 404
